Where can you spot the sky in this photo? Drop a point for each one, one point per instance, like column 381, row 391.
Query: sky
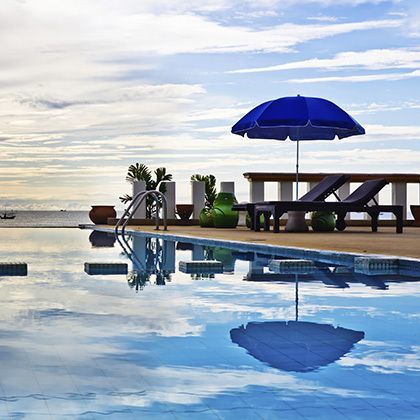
column 89, row 87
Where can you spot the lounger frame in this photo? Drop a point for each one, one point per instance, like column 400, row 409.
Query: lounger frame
column 277, row 209
column 329, row 185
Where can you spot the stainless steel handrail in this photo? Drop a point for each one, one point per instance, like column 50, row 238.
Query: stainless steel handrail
column 128, row 250
column 135, row 204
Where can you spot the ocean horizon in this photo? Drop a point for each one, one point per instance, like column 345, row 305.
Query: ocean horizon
column 71, row 218
column 46, row 218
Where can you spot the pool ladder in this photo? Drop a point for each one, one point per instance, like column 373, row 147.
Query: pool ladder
column 137, row 200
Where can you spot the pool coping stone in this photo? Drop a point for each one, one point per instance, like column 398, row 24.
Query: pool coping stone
column 326, row 256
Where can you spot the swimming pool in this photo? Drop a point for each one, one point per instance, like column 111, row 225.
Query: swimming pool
column 161, row 343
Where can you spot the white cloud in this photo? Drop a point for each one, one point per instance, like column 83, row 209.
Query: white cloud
column 87, row 87
column 186, row 6
column 394, row 132
column 407, row 158
column 377, row 59
column 322, row 18
column 356, row 79
column 48, row 31
column 374, row 107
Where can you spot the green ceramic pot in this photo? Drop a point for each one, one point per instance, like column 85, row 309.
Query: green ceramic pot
column 323, row 221
column 206, row 218
column 225, row 256
column 223, row 215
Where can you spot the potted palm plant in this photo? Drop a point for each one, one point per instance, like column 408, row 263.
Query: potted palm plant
column 140, row 172
column 206, row 218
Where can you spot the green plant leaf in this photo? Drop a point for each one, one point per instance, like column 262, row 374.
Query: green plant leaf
column 210, row 188
column 125, row 198
column 139, row 172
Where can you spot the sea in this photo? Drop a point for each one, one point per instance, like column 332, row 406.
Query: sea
column 46, row 219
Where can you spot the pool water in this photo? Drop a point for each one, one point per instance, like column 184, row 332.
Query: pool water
column 160, row 343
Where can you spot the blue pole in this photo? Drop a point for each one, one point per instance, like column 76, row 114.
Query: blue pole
column 297, row 169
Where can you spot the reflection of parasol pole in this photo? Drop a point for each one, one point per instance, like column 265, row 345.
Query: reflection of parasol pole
column 297, row 169
column 296, row 295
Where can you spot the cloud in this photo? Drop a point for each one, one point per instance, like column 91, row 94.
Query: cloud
column 374, row 108
column 376, row 59
column 91, row 87
column 322, row 18
column 393, row 132
column 356, row 79
column 50, row 103
column 48, row 30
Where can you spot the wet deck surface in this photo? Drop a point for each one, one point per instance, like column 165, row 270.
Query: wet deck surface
column 353, row 239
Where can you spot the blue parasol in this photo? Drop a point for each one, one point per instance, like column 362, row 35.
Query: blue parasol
column 297, row 118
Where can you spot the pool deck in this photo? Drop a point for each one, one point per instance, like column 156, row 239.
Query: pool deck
column 358, row 240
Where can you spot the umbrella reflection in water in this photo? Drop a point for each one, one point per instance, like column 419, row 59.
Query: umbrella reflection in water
column 296, row 346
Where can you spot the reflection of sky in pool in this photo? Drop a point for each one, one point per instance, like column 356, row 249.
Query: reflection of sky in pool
column 89, row 346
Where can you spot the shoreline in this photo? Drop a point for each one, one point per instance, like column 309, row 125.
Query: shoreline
column 40, row 227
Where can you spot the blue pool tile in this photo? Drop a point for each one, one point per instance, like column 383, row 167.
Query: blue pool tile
column 3, row 408
column 158, row 415
column 364, row 414
column 30, row 415
column 227, row 402
column 113, row 414
column 326, row 413
column 238, row 413
column 403, row 412
column 266, row 401
column 196, row 414
column 275, row 414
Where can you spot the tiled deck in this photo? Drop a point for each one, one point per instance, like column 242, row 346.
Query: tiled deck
column 353, row 239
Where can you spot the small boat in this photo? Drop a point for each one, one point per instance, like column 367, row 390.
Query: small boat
column 7, row 215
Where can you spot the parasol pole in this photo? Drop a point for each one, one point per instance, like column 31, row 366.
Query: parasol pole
column 297, row 297
column 297, row 169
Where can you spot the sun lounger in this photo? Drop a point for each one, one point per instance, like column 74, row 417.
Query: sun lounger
column 357, row 202
column 329, row 185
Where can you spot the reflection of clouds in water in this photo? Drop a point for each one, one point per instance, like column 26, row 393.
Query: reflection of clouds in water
column 143, row 387
column 386, row 358
column 189, row 386
column 127, row 316
column 105, row 304
column 95, row 314
column 80, row 339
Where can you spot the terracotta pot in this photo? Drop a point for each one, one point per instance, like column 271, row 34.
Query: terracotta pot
column 416, row 214
column 101, row 239
column 184, row 211
column 99, row 214
column 184, row 246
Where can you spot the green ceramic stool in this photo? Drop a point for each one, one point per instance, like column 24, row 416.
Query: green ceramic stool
column 323, row 221
column 225, row 256
column 223, row 215
column 205, row 218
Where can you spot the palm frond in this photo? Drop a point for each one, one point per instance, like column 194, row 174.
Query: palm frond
column 125, row 198
column 139, row 172
column 210, row 187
